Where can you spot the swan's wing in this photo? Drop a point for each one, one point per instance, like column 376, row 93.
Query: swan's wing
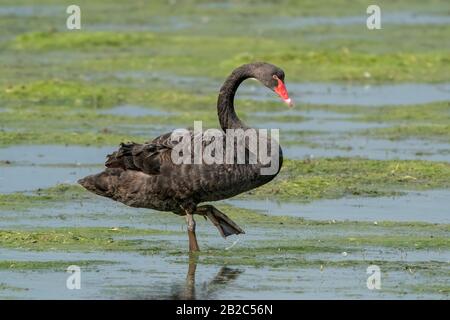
column 147, row 157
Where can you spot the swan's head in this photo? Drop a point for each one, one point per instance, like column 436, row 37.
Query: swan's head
column 273, row 78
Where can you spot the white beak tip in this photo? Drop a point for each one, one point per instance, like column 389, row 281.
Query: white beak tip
column 289, row 102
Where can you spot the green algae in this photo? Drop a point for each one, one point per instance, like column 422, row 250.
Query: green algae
column 438, row 112
column 424, row 131
column 425, row 121
column 282, row 260
column 353, row 66
column 61, row 194
column 69, row 119
column 141, row 12
column 289, row 252
column 42, row 197
column 33, row 265
column 6, row 287
column 68, row 138
column 304, row 63
column 55, row 91
column 66, row 40
column 68, row 93
column 261, row 220
column 325, row 52
column 430, row 287
column 20, row 201
column 339, row 177
column 104, row 137
column 430, row 121
column 401, row 241
column 415, row 237
column 81, row 239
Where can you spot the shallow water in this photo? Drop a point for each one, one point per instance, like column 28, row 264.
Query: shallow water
column 427, row 206
column 305, row 92
column 28, row 178
column 309, row 114
column 380, row 149
column 154, row 277
column 86, row 213
column 390, row 18
column 361, row 95
column 55, row 154
column 32, row 10
column 163, row 277
column 338, row 137
column 179, row 23
column 322, row 125
column 43, row 166
column 156, row 24
column 313, row 92
column 385, row 254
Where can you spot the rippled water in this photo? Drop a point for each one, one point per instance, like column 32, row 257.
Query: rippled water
column 32, row 10
column 391, row 18
column 361, row 95
column 380, row 149
column 427, row 206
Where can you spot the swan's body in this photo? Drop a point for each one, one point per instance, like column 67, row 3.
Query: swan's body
column 144, row 175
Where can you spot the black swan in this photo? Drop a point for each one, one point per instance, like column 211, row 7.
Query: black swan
column 144, row 175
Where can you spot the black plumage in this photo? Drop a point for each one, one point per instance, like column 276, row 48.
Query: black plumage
column 144, row 175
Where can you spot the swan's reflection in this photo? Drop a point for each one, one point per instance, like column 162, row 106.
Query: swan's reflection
column 219, row 282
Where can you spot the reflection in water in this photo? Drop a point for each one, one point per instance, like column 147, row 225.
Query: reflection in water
column 219, row 282
column 187, row 289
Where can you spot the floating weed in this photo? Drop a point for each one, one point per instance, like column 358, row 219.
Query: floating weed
column 339, row 177
column 438, row 112
column 345, row 65
column 56, row 91
column 298, row 257
column 50, row 265
column 81, row 239
column 69, row 138
column 43, row 197
column 407, row 131
column 6, row 287
column 314, row 63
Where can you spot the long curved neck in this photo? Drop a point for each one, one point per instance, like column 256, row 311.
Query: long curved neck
column 225, row 104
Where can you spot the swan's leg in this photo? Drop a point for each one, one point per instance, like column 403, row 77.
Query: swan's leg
column 193, row 245
column 225, row 225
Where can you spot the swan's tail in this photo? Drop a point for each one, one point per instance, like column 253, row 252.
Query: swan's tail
column 223, row 223
column 123, row 158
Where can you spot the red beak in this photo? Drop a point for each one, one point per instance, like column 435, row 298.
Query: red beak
column 282, row 92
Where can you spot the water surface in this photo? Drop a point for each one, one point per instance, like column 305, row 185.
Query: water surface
column 360, row 95
column 427, row 206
